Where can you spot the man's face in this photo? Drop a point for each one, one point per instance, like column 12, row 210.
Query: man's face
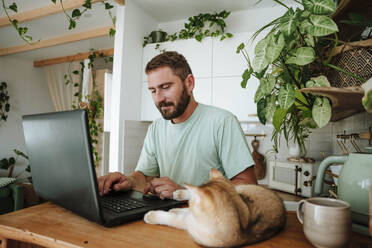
column 169, row 93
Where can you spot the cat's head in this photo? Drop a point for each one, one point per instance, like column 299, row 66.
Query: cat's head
column 214, row 197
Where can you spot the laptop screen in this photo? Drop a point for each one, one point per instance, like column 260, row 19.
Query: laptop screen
column 62, row 167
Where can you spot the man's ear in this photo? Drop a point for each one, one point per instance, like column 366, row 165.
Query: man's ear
column 190, row 82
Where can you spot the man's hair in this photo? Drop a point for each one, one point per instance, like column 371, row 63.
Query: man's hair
column 173, row 60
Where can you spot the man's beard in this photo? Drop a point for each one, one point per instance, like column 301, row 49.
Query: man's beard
column 180, row 108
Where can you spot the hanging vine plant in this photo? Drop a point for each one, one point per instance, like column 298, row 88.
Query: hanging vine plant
column 93, row 103
column 198, row 27
column 71, row 18
column 4, row 101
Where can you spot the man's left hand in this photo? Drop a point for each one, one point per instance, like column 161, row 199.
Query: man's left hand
column 163, row 187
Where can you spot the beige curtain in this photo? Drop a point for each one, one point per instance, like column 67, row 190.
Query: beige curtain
column 62, row 94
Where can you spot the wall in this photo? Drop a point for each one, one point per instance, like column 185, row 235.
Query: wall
column 29, row 94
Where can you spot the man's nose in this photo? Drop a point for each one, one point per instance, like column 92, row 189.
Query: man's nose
column 159, row 96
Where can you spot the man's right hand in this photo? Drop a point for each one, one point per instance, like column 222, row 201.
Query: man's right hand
column 114, row 180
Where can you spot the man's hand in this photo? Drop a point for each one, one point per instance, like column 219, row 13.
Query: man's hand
column 163, row 187
column 118, row 181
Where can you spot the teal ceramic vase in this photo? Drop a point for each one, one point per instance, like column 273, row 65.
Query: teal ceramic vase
column 353, row 185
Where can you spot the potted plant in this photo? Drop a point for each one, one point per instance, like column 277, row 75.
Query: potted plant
column 295, row 54
column 4, row 101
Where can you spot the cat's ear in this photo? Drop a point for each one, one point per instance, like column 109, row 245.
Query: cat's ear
column 215, row 174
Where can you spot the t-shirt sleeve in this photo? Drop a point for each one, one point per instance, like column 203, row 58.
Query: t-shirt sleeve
column 234, row 152
column 147, row 162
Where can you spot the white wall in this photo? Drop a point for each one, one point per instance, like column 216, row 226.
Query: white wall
column 132, row 25
column 29, row 94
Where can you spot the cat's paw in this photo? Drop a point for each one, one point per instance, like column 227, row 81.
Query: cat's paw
column 181, row 195
column 150, row 217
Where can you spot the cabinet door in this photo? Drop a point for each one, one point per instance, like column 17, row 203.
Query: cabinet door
column 226, row 62
column 203, row 90
column 198, row 55
column 229, row 95
column 149, row 112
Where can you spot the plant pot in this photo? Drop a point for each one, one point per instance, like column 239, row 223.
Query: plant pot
column 158, row 36
column 355, row 58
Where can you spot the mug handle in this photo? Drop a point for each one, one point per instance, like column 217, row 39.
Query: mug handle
column 299, row 212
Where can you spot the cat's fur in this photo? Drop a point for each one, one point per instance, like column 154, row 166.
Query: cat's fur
column 223, row 215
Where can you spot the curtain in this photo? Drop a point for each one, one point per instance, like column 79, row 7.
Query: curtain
column 62, row 94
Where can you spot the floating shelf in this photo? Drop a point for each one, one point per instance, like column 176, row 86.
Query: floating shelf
column 345, row 101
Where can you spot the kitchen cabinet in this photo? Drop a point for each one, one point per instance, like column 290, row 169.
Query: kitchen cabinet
column 198, row 55
column 229, row 95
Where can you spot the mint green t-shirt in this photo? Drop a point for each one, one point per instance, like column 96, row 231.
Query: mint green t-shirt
column 185, row 152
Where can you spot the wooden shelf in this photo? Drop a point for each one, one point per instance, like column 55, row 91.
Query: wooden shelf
column 345, row 101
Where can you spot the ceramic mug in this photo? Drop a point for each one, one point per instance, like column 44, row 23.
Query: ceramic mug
column 326, row 221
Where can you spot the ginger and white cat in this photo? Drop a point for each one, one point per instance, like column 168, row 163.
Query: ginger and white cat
column 223, row 215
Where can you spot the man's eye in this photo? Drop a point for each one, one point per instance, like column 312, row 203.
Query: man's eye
column 166, row 86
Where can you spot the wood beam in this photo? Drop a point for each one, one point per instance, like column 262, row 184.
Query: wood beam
column 70, row 58
column 93, row 33
column 121, row 2
column 44, row 11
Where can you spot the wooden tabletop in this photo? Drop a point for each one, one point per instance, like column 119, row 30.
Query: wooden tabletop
column 49, row 225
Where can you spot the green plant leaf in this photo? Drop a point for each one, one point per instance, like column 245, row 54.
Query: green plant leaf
column 75, row 13
column 54, row 1
column 288, row 23
column 301, row 56
column 246, row 75
column 310, row 40
column 321, row 111
column 108, row 6
column 261, row 105
column 367, row 101
column 112, row 32
column 87, row 4
column 240, row 47
column 274, row 48
column 321, row 26
column 286, row 96
column 268, row 84
column 260, row 62
column 270, row 107
column 320, row 81
column 320, row 7
column 278, row 118
column 259, row 93
column 72, row 24
column 13, row 7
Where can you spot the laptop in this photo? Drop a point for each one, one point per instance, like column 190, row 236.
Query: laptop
column 62, row 166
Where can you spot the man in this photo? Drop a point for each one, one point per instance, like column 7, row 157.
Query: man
column 188, row 141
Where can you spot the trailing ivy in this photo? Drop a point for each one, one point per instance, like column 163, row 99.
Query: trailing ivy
column 93, row 103
column 199, row 27
column 71, row 18
column 4, row 101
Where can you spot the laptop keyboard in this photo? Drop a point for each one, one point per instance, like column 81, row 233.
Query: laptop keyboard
column 118, row 204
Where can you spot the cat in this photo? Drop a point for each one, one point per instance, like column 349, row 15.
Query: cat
column 223, row 215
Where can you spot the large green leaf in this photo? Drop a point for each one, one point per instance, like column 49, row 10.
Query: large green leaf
column 261, row 105
column 259, row 93
column 270, row 107
column 274, row 48
column 260, row 62
column 320, row 81
column 245, row 77
column 268, row 84
column 286, row 96
column 320, row 7
column 279, row 118
column 321, row 26
column 322, row 111
column 288, row 23
column 301, row 56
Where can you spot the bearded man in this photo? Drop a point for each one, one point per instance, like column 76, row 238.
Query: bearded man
column 190, row 139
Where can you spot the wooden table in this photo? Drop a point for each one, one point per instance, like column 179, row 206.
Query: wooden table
column 48, row 225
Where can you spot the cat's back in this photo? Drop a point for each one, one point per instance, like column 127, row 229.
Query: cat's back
column 267, row 210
